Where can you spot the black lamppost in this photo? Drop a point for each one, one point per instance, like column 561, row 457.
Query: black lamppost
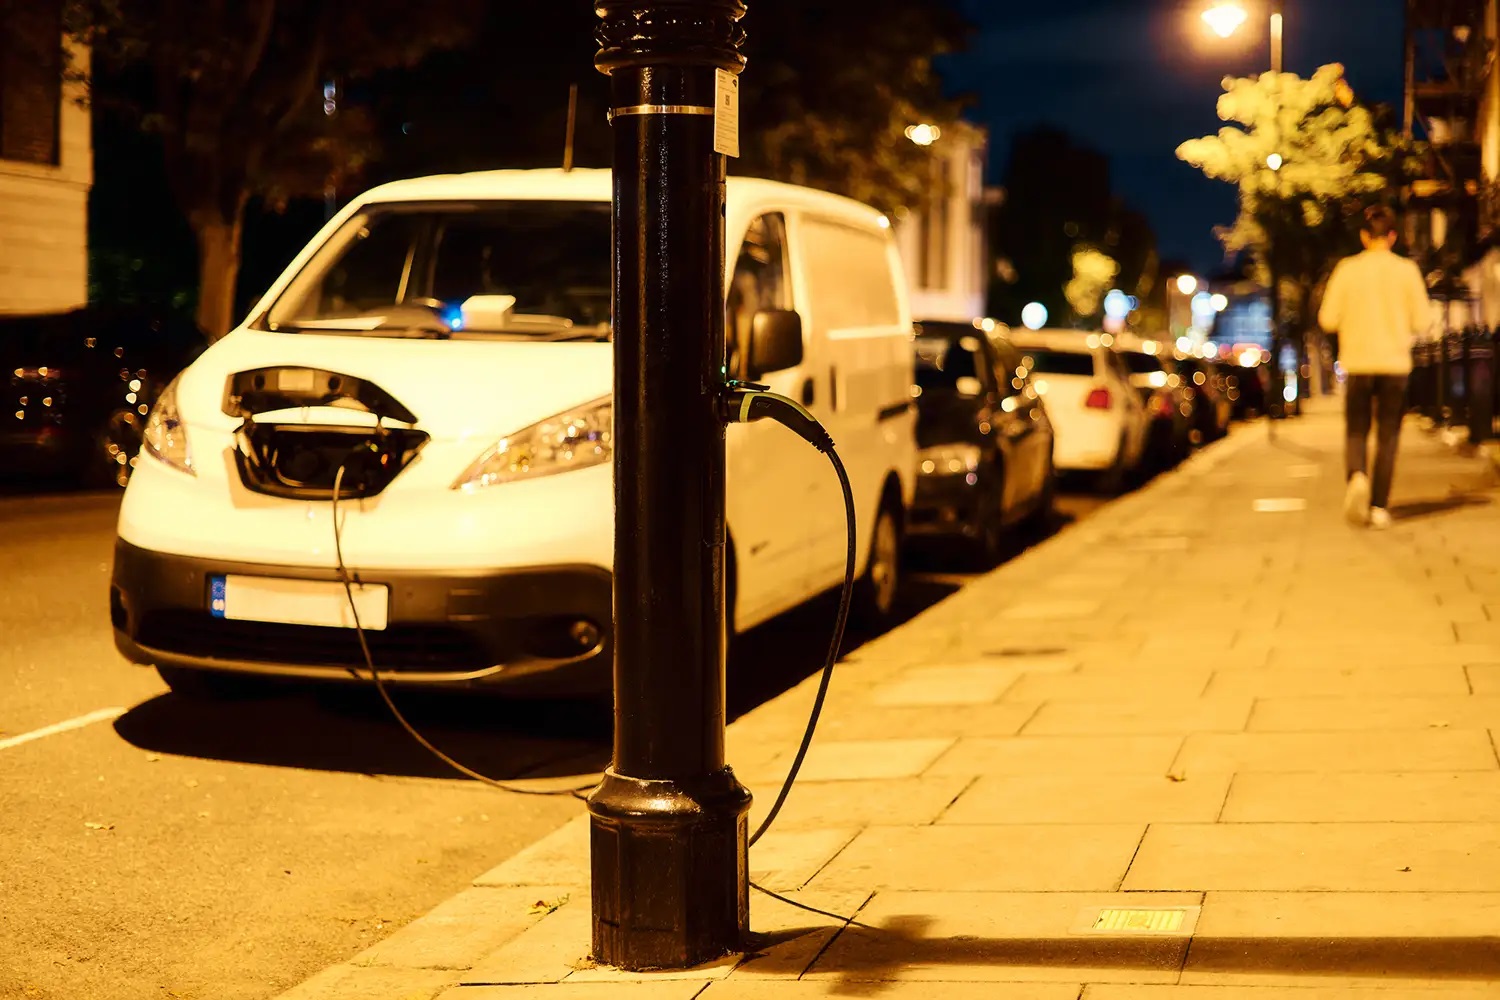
column 668, row 839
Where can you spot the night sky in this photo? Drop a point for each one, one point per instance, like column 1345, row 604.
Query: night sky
column 1134, row 78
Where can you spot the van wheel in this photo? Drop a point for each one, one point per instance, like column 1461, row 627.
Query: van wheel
column 875, row 592
column 210, row 685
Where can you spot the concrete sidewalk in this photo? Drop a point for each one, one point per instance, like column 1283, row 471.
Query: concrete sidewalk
column 1212, row 743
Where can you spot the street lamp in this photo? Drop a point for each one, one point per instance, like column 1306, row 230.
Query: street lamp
column 1274, row 161
column 1227, row 16
column 924, row 134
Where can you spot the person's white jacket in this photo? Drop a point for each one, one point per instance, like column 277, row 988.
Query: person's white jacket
column 1376, row 302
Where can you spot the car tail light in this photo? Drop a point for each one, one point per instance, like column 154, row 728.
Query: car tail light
column 1099, row 399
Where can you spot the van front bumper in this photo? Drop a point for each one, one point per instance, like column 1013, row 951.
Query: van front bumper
column 537, row 631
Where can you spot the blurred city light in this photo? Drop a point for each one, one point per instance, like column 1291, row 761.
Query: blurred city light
column 1185, row 345
column 1116, row 304
column 1225, row 18
column 1034, row 316
column 1220, row 302
column 1274, row 161
column 1187, row 284
column 923, row 135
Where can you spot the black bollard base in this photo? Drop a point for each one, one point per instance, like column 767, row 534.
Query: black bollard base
column 670, row 868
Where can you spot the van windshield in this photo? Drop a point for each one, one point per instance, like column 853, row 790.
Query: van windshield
column 526, row 269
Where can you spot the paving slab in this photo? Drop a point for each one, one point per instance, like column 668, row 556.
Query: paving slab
column 559, row 859
column 752, row 989
column 1060, row 755
column 1102, row 684
column 1345, row 680
column 786, row 939
column 1162, row 715
column 1376, row 712
column 814, row 805
column 1392, row 751
column 1043, row 858
column 1484, row 678
column 1420, row 797
column 1090, row 798
column 668, row 990
column 786, row 859
column 467, row 926
column 1287, row 939
column 946, row 685
column 1318, row 857
column 1004, row 937
column 854, row 760
column 1307, row 989
column 353, row 982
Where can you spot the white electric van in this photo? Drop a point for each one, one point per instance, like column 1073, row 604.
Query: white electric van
column 465, row 322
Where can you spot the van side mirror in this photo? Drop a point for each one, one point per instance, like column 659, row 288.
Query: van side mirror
column 775, row 342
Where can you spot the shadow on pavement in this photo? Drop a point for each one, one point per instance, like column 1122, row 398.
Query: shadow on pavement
column 1430, row 508
column 352, row 731
column 868, row 960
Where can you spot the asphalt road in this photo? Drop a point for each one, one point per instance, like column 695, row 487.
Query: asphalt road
column 155, row 848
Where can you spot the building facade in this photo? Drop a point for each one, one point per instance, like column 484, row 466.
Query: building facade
column 46, row 162
column 943, row 241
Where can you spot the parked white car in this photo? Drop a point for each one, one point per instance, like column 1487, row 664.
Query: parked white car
column 1099, row 419
column 466, row 319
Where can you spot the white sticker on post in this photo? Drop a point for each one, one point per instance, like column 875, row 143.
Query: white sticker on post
column 726, row 113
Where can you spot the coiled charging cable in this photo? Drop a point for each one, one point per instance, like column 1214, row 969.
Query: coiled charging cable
column 742, row 402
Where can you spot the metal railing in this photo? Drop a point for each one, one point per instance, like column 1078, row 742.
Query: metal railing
column 1453, row 381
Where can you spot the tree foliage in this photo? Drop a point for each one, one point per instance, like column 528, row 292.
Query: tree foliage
column 828, row 94
column 1337, row 157
column 234, row 91
column 1094, row 274
column 1059, row 209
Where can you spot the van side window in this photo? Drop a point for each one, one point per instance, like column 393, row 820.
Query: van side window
column 760, row 282
column 849, row 272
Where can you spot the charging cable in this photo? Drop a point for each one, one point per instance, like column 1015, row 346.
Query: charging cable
column 744, row 402
column 741, row 402
column 364, row 647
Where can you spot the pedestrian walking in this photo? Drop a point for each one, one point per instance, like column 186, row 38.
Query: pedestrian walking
column 1376, row 302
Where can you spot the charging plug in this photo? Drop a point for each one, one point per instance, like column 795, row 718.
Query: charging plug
column 743, row 402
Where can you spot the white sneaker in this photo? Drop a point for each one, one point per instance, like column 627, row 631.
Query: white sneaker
column 1357, row 499
column 1380, row 518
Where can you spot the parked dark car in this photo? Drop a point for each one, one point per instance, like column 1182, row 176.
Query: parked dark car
column 1167, row 400
column 75, row 389
column 1248, row 388
column 1212, row 409
column 984, row 442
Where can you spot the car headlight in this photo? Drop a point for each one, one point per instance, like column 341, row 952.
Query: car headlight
column 165, row 436
column 949, row 459
column 573, row 439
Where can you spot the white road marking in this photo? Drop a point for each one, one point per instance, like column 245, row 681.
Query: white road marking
column 103, row 715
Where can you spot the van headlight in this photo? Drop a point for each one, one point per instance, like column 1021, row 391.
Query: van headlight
column 573, row 439
column 949, row 459
column 165, row 436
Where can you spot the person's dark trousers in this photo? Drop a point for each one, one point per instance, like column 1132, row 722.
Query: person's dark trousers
column 1384, row 396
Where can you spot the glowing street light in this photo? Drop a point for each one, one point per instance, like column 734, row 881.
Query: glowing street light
column 1274, row 161
column 1220, row 302
column 923, row 135
column 1187, row 284
column 1225, row 18
column 1034, row 316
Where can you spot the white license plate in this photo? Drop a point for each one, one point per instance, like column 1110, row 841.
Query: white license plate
column 297, row 602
